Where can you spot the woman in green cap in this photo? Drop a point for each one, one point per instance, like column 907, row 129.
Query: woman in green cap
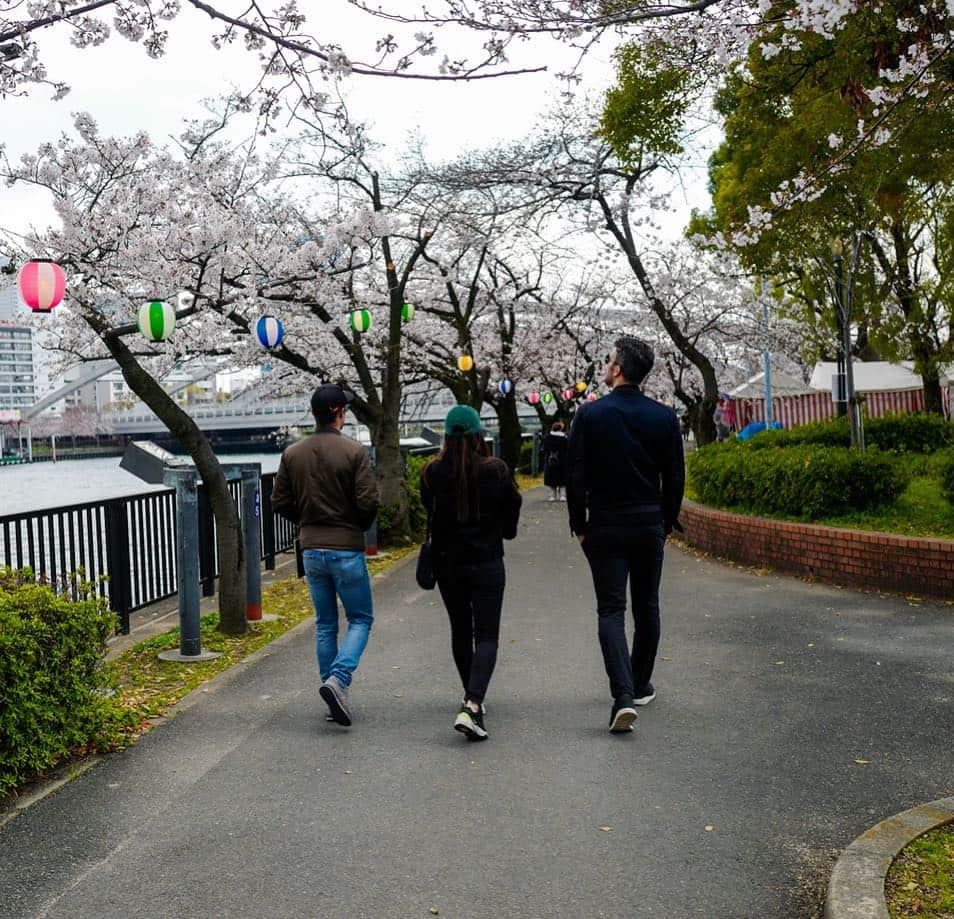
column 473, row 505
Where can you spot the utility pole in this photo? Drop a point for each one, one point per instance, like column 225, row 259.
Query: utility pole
column 766, row 359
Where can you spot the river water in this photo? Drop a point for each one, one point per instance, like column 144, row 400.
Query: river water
column 37, row 486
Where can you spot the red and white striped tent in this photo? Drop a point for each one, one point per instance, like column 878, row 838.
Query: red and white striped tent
column 886, row 388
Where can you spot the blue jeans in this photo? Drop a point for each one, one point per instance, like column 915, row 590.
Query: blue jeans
column 333, row 573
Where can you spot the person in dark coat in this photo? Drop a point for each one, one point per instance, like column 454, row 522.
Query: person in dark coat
column 473, row 504
column 625, row 491
column 554, row 462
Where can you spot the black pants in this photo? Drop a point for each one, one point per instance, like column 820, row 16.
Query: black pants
column 618, row 554
column 473, row 595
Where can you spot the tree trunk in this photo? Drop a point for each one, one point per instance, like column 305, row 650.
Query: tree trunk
column 389, row 468
column 231, row 547
column 510, row 431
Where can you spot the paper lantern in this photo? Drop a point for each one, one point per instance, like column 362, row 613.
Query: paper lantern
column 360, row 320
column 547, row 398
column 591, row 397
column 157, row 320
column 505, row 387
column 42, row 284
column 464, row 363
column 269, row 331
column 580, row 385
column 568, row 394
column 533, row 397
column 407, row 312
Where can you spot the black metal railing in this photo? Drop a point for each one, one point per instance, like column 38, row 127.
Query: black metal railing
column 127, row 546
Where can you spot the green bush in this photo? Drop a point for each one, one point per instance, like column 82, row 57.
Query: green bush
column 920, row 432
column 904, row 432
column 525, row 464
column 418, row 516
column 945, row 467
column 57, row 691
column 799, row 481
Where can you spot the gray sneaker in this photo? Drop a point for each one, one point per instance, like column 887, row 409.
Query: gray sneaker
column 336, row 697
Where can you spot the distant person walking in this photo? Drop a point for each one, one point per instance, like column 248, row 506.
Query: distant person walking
column 554, row 466
column 326, row 485
column 625, row 490
column 473, row 505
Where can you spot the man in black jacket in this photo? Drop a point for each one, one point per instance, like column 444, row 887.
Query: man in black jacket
column 624, row 491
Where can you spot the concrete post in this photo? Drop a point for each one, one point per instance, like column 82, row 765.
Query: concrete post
column 535, row 454
column 187, row 562
column 251, row 522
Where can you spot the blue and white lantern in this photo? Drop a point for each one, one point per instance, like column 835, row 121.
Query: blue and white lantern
column 505, row 387
column 269, row 332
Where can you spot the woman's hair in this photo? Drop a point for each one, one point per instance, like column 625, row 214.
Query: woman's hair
column 465, row 453
column 556, row 426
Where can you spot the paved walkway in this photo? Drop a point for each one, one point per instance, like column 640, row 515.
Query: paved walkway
column 790, row 718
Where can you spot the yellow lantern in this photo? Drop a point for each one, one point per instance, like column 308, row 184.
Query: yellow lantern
column 580, row 385
column 464, row 363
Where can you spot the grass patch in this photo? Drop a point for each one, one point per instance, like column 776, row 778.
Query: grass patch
column 920, row 882
column 525, row 482
column 920, row 510
column 150, row 686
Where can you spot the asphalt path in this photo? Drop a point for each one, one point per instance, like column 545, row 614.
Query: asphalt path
column 790, row 717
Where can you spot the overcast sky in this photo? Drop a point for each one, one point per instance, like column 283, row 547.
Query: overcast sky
column 126, row 91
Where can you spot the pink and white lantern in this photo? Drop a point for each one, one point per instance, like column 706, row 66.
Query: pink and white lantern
column 568, row 394
column 42, row 284
column 533, row 397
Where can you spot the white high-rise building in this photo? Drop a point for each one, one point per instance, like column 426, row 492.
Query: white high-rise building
column 17, row 367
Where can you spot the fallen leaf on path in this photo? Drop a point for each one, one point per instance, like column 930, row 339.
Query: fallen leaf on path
column 347, row 772
column 779, row 663
column 606, row 829
column 434, row 911
column 709, row 827
column 863, row 762
column 665, row 658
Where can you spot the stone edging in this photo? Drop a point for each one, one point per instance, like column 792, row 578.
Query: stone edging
column 856, row 888
column 854, row 558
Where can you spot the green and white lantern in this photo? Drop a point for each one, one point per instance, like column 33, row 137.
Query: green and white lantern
column 360, row 320
column 407, row 312
column 157, row 320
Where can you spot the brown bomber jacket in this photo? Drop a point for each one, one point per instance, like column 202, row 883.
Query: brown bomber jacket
column 326, row 485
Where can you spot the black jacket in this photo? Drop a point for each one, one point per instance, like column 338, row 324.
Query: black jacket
column 625, row 462
column 479, row 539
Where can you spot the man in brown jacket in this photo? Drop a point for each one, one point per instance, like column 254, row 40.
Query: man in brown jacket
column 326, row 485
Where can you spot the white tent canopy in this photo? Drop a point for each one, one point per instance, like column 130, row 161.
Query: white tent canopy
column 782, row 385
column 874, row 376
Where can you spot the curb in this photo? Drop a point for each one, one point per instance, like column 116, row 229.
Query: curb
column 12, row 807
column 856, row 888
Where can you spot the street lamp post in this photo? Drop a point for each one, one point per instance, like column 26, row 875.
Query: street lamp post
column 847, row 400
column 840, row 389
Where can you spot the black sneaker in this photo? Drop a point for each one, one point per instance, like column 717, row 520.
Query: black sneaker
column 646, row 696
column 471, row 724
column 623, row 715
column 483, row 708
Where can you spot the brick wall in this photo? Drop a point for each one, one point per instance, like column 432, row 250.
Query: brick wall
column 881, row 561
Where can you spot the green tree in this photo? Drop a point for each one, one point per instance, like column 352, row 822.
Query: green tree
column 780, row 196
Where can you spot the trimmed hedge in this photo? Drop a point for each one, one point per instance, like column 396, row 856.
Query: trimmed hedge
column 801, row 481
column 905, row 432
column 56, row 696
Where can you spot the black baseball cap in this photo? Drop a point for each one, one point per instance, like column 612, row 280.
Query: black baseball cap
column 329, row 396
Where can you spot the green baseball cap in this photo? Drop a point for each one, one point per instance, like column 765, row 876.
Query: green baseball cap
column 462, row 419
